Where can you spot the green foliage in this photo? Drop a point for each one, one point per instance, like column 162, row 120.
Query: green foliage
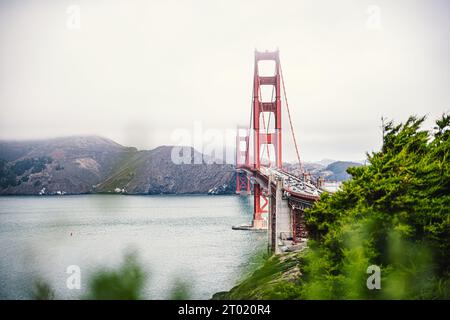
column 3, row 163
column 275, row 279
column 181, row 290
column 21, row 166
column 254, row 262
column 40, row 163
column 394, row 213
column 7, row 178
column 412, row 274
column 42, row 291
column 126, row 283
column 9, row 173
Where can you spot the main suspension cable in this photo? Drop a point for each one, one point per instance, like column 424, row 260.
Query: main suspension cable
column 290, row 122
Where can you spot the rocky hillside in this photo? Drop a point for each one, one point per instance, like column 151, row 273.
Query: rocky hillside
column 61, row 165
column 153, row 172
column 86, row 164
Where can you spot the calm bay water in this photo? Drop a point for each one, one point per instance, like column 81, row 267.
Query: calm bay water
column 187, row 237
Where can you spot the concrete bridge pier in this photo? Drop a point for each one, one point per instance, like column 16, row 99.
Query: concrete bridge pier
column 280, row 221
column 270, row 217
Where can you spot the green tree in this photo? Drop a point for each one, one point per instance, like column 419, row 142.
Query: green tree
column 394, row 212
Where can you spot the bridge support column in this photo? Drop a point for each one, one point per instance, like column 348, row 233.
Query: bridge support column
column 275, row 210
column 284, row 226
column 242, row 183
column 300, row 234
column 259, row 209
column 270, row 218
column 278, row 208
column 280, row 221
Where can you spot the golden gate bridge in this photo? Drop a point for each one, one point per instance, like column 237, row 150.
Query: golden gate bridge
column 279, row 197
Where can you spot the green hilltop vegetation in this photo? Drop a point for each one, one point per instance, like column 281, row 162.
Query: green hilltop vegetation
column 394, row 213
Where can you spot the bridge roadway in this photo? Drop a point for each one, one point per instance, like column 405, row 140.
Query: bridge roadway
column 286, row 197
column 293, row 187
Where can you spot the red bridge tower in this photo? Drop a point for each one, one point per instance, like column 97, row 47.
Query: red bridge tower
column 261, row 135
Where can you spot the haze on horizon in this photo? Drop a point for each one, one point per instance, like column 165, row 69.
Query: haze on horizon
column 137, row 71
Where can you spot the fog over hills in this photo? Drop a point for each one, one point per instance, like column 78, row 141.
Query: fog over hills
column 90, row 164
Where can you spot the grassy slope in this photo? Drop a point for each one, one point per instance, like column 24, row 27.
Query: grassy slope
column 123, row 173
column 275, row 279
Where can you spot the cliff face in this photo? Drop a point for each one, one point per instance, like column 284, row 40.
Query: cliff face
column 93, row 164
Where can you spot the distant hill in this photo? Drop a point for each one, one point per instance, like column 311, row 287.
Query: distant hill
column 335, row 171
column 326, row 162
column 84, row 164
column 153, row 172
column 339, row 170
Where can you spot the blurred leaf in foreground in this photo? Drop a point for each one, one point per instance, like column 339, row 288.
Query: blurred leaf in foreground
column 181, row 290
column 125, row 283
column 42, row 291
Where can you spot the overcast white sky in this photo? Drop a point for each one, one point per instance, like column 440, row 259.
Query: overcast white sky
column 135, row 71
